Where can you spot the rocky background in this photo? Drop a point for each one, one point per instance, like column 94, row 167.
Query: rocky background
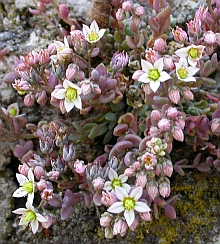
column 198, row 208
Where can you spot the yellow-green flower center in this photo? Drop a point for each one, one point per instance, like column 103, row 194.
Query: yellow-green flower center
column 154, row 74
column 193, row 53
column 29, row 216
column 13, row 111
column 28, row 187
column 129, row 203
column 93, row 36
column 116, row 182
column 182, row 72
column 148, row 160
column 71, row 94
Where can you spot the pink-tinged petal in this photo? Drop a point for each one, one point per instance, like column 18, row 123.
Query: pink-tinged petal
column 117, row 207
column 120, row 193
column 159, row 64
column 136, row 193
column 141, row 207
column 126, row 187
column 30, row 197
column 112, row 174
column 21, row 179
column 40, row 218
column 154, row 85
column 164, row 76
column 123, row 178
column 144, row 78
column 20, row 192
column 30, row 175
column 68, row 105
column 20, row 211
column 129, row 216
column 78, row 102
column 183, row 52
column 34, row 225
column 146, row 66
column 59, row 94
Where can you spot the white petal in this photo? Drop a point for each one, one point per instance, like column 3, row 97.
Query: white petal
column 117, row 207
column 164, row 76
column 59, row 94
column 30, row 206
column 40, row 218
column 192, row 70
column 159, row 64
column 183, row 62
column 30, row 175
column 123, row 178
column 101, row 33
column 129, row 216
column 68, row 105
column 112, row 174
column 78, row 102
column 34, row 225
column 22, row 179
column 141, row 207
column 120, row 193
column 20, row 192
column 154, row 85
column 94, row 27
column 126, row 187
column 183, row 52
column 144, row 78
column 86, row 30
column 146, row 66
column 136, row 193
column 20, row 211
column 192, row 62
column 188, row 79
column 30, row 197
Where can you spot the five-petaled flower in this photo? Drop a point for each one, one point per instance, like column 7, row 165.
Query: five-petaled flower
column 153, row 74
column 185, row 72
column 93, row 34
column 129, row 203
column 27, row 186
column 193, row 53
column 116, row 180
column 30, row 216
column 70, row 93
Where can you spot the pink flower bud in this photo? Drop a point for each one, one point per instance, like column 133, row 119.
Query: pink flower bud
column 42, row 184
column 168, row 63
column 47, row 194
column 152, row 55
column 53, row 175
column 72, row 71
column 98, row 183
column 63, row 11
column 164, row 124
column 39, row 172
column 127, row 6
column 23, row 169
column 152, row 189
column 174, row 95
column 120, row 14
column 79, row 167
column 29, row 100
column 50, row 219
column 134, row 225
column 108, row 198
column 164, row 190
column 180, row 122
column 178, row 133
column 105, row 220
column 168, row 168
column 188, row 95
column 179, row 35
column 137, row 165
column 172, row 112
column 159, row 45
column 156, row 115
column 141, row 180
column 210, row 38
column 129, row 172
column 134, row 23
column 145, row 216
column 139, row 11
column 120, row 227
column 215, row 126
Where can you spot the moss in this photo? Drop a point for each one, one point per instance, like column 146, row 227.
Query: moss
column 197, row 211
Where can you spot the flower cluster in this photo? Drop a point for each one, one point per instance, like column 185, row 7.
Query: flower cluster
column 137, row 93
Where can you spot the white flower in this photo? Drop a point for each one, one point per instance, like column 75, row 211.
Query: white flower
column 63, row 51
column 70, row 94
column 116, row 180
column 185, row 72
column 193, row 53
column 30, row 215
column 27, row 186
column 153, row 74
column 92, row 34
column 129, row 203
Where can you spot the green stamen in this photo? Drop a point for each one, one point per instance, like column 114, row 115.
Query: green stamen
column 182, row 72
column 129, row 203
column 154, row 74
column 93, row 36
column 193, row 53
column 28, row 187
column 71, row 94
column 13, row 111
column 29, row 216
column 116, row 182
